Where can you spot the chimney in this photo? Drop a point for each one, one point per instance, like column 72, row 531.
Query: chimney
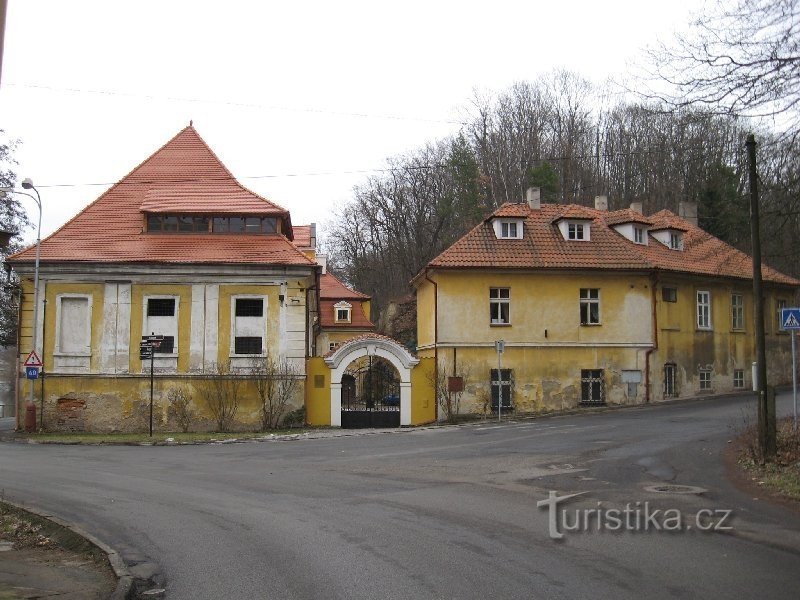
column 636, row 207
column 601, row 202
column 313, row 235
column 533, row 196
column 688, row 212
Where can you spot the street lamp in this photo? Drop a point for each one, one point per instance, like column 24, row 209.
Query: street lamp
column 28, row 185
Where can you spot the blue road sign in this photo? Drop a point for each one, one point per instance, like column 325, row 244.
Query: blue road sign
column 790, row 318
column 32, row 372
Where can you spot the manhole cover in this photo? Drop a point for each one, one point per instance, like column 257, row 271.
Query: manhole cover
column 669, row 488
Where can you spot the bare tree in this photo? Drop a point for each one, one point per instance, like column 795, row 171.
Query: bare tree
column 741, row 59
column 277, row 382
column 221, row 392
column 449, row 401
column 180, row 406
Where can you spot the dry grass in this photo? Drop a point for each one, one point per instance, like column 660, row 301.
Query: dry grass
column 781, row 476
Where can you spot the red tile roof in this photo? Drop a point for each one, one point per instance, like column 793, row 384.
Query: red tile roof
column 302, row 236
column 358, row 319
column 626, row 215
column 183, row 175
column 367, row 336
column 543, row 247
column 331, row 288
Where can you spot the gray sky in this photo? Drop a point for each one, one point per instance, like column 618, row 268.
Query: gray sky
column 296, row 98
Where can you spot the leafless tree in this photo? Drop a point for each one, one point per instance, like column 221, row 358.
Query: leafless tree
column 277, row 382
column 180, row 406
column 221, row 392
column 740, row 58
column 449, row 401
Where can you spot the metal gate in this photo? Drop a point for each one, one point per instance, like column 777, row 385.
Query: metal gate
column 371, row 396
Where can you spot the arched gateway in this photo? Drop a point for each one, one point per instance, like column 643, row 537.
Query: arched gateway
column 362, row 373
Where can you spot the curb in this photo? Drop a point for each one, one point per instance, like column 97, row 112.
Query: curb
column 124, row 589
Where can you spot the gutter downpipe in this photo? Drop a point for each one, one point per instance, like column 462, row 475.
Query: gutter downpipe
column 435, row 339
column 653, row 286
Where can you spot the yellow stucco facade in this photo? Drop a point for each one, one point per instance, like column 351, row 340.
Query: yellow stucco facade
column 552, row 355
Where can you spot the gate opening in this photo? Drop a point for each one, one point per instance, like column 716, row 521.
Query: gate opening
column 370, row 394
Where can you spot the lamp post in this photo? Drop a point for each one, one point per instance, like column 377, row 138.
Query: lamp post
column 28, row 185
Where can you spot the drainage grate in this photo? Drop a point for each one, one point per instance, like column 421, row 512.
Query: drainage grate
column 675, row 489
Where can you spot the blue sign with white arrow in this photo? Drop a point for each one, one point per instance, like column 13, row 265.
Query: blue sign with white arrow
column 790, row 318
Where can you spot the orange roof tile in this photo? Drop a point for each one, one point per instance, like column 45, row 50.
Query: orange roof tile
column 182, row 174
column 302, row 236
column 358, row 319
column 331, row 288
column 368, row 336
column 626, row 215
column 543, row 247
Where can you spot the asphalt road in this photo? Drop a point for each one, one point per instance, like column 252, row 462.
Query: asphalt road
column 436, row 513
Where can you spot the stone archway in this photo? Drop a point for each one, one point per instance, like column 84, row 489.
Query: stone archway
column 365, row 346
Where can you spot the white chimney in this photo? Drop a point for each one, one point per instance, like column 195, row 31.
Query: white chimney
column 601, row 202
column 636, row 207
column 533, row 197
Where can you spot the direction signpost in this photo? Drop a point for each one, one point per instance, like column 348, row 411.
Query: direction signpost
column 147, row 349
column 790, row 320
column 500, row 347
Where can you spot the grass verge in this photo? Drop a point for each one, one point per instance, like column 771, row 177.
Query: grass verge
column 781, row 477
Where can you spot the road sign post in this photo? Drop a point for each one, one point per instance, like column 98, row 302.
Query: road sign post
column 147, row 349
column 790, row 320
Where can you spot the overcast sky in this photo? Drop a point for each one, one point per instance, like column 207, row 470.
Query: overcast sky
column 298, row 99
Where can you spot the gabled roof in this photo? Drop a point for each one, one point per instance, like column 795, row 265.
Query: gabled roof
column 626, row 215
column 358, row 318
column 331, row 288
column 184, row 176
column 543, row 247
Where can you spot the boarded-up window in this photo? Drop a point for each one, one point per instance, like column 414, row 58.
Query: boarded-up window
column 162, row 319
column 249, row 325
column 75, row 325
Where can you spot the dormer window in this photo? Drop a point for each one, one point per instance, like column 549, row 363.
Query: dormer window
column 508, row 229
column 342, row 312
column 638, row 235
column 671, row 238
column 675, row 241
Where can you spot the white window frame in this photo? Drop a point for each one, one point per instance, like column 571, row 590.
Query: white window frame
column 738, row 379
column 503, row 229
column 576, row 231
column 345, row 306
column 638, row 235
column 234, row 298
column 737, row 311
column 588, row 301
column 703, row 312
column 780, row 303
column 57, row 347
column 146, row 331
column 675, row 240
column 499, row 301
column 704, row 380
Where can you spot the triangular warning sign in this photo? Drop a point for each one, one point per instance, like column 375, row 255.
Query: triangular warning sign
column 33, row 360
column 791, row 321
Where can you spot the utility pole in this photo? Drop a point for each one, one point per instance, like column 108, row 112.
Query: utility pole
column 766, row 402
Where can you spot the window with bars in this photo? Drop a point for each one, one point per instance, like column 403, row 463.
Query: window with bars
column 590, row 306
column 592, row 386
column 249, row 307
column 705, row 379
column 502, row 380
column 738, row 378
column 500, row 306
column 247, row 345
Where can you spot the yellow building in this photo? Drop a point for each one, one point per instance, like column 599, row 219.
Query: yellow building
column 594, row 307
column 180, row 249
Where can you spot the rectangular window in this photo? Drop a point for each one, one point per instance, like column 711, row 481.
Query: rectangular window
column 161, row 318
column 738, row 379
column 592, row 388
column 500, row 306
column 575, row 231
column 705, row 379
column 508, row 230
column 670, row 387
column 502, row 381
column 638, row 235
column 590, row 306
column 669, row 294
column 703, row 310
column 333, row 346
column 243, row 224
column 343, row 314
column 675, row 241
column 737, row 311
column 781, row 304
column 74, row 325
column 269, row 225
column 249, row 325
